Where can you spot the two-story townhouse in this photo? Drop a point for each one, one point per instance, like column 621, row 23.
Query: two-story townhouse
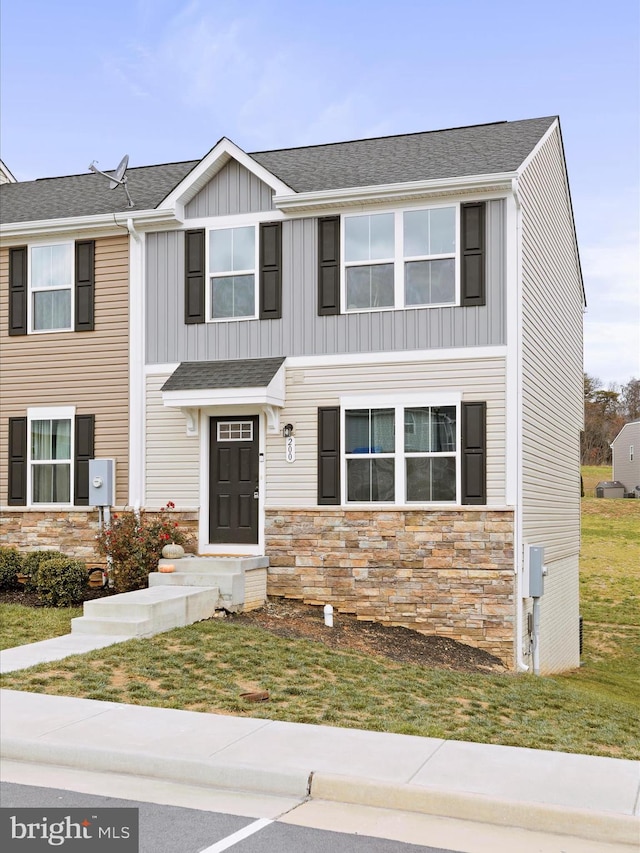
column 364, row 361
column 66, row 248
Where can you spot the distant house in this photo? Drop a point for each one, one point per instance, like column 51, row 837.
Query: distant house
column 626, row 455
column 362, row 360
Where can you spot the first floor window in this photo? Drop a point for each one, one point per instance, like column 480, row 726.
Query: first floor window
column 50, row 460
column 401, row 454
column 51, row 276
column 232, row 267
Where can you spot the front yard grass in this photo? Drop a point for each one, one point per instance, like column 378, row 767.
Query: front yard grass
column 205, row 667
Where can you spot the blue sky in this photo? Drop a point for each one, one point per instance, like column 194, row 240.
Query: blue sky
column 163, row 80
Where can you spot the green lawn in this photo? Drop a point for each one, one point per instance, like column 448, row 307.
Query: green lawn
column 205, row 667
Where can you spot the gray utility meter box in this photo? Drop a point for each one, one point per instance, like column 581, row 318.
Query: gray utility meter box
column 537, row 571
column 102, row 482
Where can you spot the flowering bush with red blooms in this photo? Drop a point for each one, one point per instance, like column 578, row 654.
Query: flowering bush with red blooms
column 134, row 543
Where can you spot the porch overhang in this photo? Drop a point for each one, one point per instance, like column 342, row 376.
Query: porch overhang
column 255, row 382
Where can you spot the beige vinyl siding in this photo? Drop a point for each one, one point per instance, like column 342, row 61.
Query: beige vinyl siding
column 295, row 484
column 552, row 387
column 559, row 618
column 172, row 457
column 88, row 370
column 552, row 396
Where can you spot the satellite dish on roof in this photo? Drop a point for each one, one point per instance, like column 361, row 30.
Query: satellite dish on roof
column 118, row 178
column 119, row 175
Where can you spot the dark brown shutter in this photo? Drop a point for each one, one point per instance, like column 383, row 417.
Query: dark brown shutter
column 84, row 451
column 18, row 291
column 194, row 276
column 474, row 453
column 329, row 455
column 85, row 285
column 270, row 270
column 328, row 265
column 17, row 492
column 473, row 250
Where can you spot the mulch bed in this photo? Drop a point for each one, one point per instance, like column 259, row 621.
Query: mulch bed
column 294, row 620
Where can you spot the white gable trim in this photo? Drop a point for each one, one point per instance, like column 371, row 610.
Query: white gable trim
column 208, row 168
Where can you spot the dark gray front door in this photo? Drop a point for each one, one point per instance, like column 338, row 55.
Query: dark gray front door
column 233, row 481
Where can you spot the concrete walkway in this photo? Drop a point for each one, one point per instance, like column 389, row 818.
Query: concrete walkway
column 579, row 795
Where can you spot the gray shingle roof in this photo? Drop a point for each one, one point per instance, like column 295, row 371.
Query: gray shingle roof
column 476, row 150
column 86, row 195
column 479, row 150
column 243, row 373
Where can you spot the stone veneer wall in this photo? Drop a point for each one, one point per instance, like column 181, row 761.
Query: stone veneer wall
column 444, row 572
column 73, row 532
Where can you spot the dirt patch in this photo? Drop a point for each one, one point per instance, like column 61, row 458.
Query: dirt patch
column 294, row 620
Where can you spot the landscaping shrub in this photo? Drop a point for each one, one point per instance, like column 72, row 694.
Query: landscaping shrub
column 31, row 563
column 60, row 581
column 134, row 542
column 10, row 565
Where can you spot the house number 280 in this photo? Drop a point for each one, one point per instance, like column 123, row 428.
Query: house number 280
column 290, row 449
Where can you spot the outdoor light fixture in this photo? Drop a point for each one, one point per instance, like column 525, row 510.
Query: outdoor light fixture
column 287, row 430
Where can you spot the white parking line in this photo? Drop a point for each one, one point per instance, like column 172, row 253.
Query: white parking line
column 241, row 834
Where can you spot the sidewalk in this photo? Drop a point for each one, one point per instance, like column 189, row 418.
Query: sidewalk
column 579, row 795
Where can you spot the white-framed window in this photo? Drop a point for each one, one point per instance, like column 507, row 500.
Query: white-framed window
column 401, row 451
column 51, row 275
column 401, row 259
column 233, row 265
column 235, row 430
column 50, row 453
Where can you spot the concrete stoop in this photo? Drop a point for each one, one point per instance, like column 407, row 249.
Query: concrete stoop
column 241, row 581
column 194, row 591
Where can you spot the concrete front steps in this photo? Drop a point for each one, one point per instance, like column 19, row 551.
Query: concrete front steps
column 194, row 591
column 241, row 581
column 146, row 612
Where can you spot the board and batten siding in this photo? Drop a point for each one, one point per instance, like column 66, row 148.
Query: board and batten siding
column 301, row 331
column 295, row 484
column 233, row 190
column 552, row 395
column 88, row 370
column 172, row 457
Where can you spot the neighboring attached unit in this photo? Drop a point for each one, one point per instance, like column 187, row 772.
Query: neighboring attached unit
column 364, row 361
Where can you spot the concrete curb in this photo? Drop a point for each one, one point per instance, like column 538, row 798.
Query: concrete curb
column 541, row 817
column 210, row 773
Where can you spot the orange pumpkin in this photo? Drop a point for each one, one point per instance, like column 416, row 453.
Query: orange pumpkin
column 166, row 569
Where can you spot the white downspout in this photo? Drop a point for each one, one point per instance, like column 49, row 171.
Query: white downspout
column 518, row 544
column 136, row 365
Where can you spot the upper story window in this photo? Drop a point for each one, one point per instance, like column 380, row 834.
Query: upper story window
column 420, row 257
column 401, row 259
column 232, row 272
column 52, row 287
column 51, row 280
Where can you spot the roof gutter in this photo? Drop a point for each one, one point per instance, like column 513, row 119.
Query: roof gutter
column 317, row 200
column 110, row 222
